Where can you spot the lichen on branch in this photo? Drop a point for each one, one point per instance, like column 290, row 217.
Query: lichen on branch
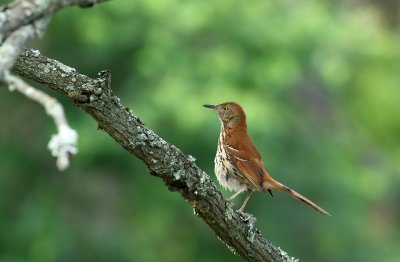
column 177, row 170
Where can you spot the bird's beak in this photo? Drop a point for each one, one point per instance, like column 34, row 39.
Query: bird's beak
column 210, row 106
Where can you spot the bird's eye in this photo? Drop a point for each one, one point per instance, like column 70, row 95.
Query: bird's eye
column 225, row 108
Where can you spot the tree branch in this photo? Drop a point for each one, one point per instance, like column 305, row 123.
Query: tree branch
column 21, row 21
column 22, row 12
column 178, row 171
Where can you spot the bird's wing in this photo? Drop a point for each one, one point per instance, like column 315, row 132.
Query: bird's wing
column 247, row 159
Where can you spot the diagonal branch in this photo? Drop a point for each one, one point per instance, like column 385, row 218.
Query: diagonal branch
column 178, row 171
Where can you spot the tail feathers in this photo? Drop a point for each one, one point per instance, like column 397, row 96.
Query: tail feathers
column 304, row 200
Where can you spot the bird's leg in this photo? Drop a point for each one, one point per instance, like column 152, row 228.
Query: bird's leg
column 236, row 194
column 246, row 199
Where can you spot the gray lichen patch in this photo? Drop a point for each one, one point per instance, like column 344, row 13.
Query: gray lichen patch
column 154, row 140
column 231, row 249
column 35, row 52
column 140, row 140
column 92, row 98
column 66, row 69
column 202, row 184
column 98, row 91
column 48, row 67
column 250, row 228
column 203, row 177
column 191, row 183
column 70, row 88
column 251, row 234
column 228, row 246
column 229, row 213
column 191, row 158
column 247, row 218
column 286, row 257
column 87, row 87
column 178, row 174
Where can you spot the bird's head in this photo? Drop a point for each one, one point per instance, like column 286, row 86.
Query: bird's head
column 230, row 114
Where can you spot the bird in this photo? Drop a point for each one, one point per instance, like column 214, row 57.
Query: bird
column 238, row 164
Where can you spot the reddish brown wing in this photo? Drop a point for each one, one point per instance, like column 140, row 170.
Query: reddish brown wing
column 245, row 156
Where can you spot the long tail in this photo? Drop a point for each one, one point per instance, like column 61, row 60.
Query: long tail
column 294, row 194
column 305, row 200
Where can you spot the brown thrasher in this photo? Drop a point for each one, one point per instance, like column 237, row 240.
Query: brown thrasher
column 238, row 164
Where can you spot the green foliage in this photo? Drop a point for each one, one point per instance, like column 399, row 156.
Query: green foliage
column 318, row 80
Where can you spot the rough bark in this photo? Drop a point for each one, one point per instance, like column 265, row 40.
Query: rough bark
column 178, row 171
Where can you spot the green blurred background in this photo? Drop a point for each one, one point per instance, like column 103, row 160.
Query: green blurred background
column 319, row 81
